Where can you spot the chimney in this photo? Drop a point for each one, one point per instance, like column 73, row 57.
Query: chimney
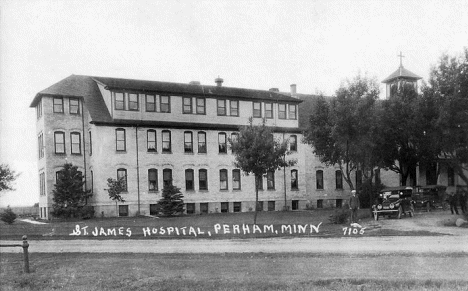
column 194, row 83
column 219, row 81
column 274, row 90
column 293, row 89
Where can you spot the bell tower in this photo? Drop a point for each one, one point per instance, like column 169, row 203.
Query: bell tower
column 400, row 77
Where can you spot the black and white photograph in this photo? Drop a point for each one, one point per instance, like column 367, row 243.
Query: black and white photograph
column 233, row 145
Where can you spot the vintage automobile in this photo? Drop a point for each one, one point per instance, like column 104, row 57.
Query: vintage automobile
column 430, row 197
column 394, row 201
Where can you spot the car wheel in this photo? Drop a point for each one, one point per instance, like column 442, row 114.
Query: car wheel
column 400, row 212
column 428, row 207
column 376, row 215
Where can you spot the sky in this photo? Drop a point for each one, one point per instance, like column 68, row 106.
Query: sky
column 317, row 45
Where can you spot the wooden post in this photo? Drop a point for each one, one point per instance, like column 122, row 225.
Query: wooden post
column 25, row 252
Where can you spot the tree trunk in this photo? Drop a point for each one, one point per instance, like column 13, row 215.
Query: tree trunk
column 256, row 199
column 116, row 210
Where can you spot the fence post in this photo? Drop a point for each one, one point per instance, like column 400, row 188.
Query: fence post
column 25, row 252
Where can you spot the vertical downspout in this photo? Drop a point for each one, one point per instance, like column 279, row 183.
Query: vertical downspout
column 138, row 169
column 284, row 180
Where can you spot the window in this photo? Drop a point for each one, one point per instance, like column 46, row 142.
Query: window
column 271, row 180
column 165, row 104
column 292, row 111
column 39, row 109
column 42, row 184
column 123, row 210
column 187, row 105
column 202, row 179
column 260, row 206
column 234, row 138
column 189, row 180
column 339, row 179
column 74, row 106
column 90, row 144
column 40, row 144
column 166, row 141
column 236, row 179
column 234, row 107
column 200, row 106
column 450, row 177
column 122, row 174
column 119, row 101
column 271, row 205
column 151, row 140
column 358, row 179
column 221, row 106
column 319, row 179
column 339, row 203
column 150, row 103
column 75, row 140
column 260, row 183
column 201, row 142
column 120, row 143
column 152, row 180
column 224, row 207
column 269, row 110
column 294, row 182
column 188, row 143
column 58, row 105
column 257, row 109
column 203, row 207
column 222, row 145
column 92, row 182
column 293, row 143
column 167, row 177
column 133, row 101
column 320, row 203
column 295, row 205
column 59, row 141
column 154, row 209
column 237, row 206
column 58, row 176
column 223, row 179
column 190, row 208
column 282, row 111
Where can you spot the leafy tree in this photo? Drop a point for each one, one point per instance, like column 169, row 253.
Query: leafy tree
column 341, row 128
column 448, row 84
column 7, row 177
column 171, row 202
column 69, row 194
column 8, row 216
column 115, row 187
column 257, row 152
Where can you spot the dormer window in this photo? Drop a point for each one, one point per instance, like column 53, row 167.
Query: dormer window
column 119, row 101
column 133, row 102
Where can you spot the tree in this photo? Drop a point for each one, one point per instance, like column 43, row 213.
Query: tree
column 115, row 187
column 171, row 202
column 7, row 177
column 448, row 84
column 257, row 152
column 341, row 128
column 69, row 194
column 8, row 216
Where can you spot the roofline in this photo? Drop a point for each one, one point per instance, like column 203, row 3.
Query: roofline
column 40, row 95
column 185, row 125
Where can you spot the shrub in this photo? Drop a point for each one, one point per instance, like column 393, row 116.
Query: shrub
column 171, row 202
column 8, row 216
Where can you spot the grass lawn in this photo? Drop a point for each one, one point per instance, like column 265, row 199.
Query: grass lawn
column 74, row 271
column 201, row 226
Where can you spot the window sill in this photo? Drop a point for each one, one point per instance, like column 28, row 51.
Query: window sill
column 295, row 189
column 166, row 153
column 73, row 154
column 201, row 153
column 223, row 154
column 190, row 154
column 224, row 190
column 320, row 189
column 152, row 152
column 61, row 154
column 190, row 190
column 271, row 189
column 120, row 152
column 153, row 191
column 203, row 190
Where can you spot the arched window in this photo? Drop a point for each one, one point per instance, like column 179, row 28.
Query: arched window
column 188, row 142
column 201, row 142
column 166, row 141
column 319, row 179
column 151, row 140
column 152, row 180
column 202, row 179
column 293, row 143
column 294, row 180
column 122, row 174
column 59, row 142
column 222, row 143
column 167, row 177
column 120, row 142
column 339, row 179
column 75, row 143
column 223, row 179
column 236, row 179
column 271, row 180
column 189, row 180
column 234, row 138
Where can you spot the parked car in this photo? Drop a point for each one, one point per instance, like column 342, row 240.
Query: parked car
column 394, row 201
column 430, row 197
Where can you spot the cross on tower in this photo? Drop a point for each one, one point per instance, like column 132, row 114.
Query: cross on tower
column 401, row 59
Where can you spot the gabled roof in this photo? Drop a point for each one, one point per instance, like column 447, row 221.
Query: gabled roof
column 192, row 89
column 401, row 72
